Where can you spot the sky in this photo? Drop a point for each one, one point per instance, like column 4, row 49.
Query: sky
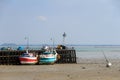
column 85, row 22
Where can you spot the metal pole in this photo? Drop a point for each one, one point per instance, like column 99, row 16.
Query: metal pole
column 108, row 63
column 52, row 44
column 105, row 57
column 64, row 35
column 27, row 39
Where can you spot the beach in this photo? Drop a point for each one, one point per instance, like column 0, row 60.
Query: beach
column 91, row 65
column 79, row 71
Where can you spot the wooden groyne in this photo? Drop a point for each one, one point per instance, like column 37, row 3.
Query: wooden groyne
column 12, row 57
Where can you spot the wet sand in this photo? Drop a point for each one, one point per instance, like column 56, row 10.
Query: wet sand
column 80, row 71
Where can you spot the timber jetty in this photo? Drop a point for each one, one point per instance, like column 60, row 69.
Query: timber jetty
column 11, row 57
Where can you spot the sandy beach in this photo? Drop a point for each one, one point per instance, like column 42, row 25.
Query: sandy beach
column 80, row 71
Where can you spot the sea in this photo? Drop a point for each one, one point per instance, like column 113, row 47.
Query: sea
column 98, row 53
column 87, row 52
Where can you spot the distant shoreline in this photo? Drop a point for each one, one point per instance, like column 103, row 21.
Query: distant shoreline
column 13, row 44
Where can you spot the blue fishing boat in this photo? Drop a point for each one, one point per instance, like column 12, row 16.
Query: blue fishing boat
column 48, row 57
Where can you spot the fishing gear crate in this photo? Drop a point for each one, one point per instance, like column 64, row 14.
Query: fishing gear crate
column 11, row 57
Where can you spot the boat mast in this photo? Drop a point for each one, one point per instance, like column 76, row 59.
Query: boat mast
column 52, row 43
column 27, row 39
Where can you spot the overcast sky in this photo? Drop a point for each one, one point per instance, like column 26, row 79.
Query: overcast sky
column 84, row 21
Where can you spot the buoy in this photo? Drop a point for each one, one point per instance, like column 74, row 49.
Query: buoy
column 109, row 64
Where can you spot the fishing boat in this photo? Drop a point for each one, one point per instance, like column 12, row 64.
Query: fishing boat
column 28, row 58
column 48, row 57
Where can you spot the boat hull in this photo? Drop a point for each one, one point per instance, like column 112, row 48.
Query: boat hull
column 47, row 60
column 28, row 60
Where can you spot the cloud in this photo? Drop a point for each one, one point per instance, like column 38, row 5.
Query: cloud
column 42, row 18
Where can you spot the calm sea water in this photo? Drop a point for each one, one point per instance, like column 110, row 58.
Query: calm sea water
column 98, row 52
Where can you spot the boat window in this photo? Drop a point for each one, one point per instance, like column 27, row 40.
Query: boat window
column 25, row 55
